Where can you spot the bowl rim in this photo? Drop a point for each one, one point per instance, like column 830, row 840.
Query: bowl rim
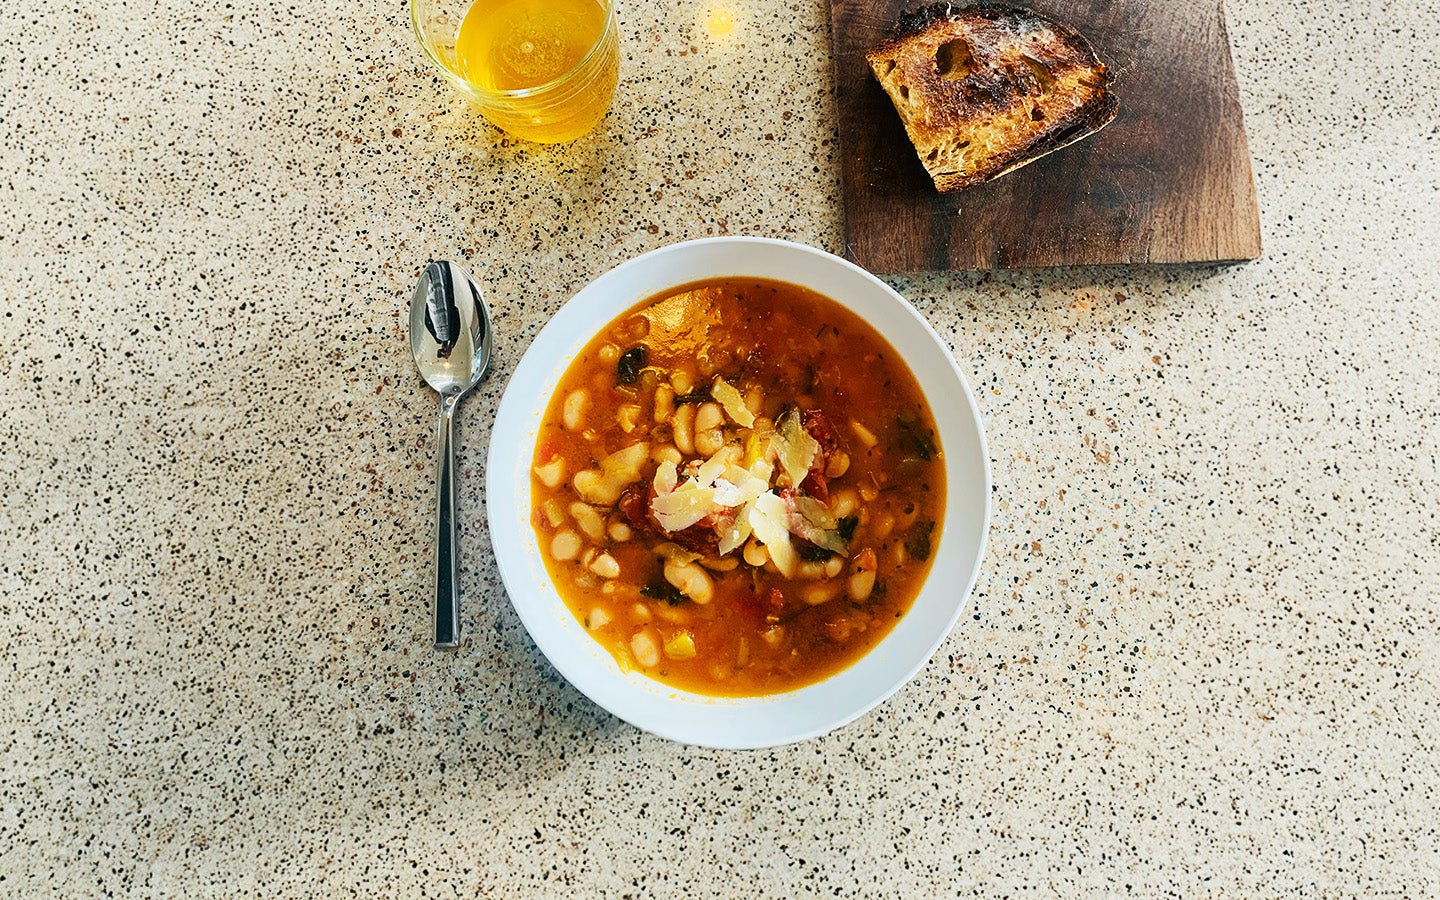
column 513, row 407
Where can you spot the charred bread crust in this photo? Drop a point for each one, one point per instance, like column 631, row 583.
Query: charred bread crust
column 1077, row 126
column 916, row 21
column 982, row 70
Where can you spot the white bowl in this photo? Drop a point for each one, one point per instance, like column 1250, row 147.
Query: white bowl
column 751, row 721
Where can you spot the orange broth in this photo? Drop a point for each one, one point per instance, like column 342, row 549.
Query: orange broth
column 819, row 398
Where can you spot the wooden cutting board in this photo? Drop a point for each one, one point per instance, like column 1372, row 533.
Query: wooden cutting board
column 1168, row 181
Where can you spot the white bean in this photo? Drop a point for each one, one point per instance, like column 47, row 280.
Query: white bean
column 666, row 452
column 862, row 575
column 620, row 532
column 573, row 413
column 681, row 381
column 624, row 464
column 598, row 618
column 589, row 520
column 640, row 612
column 708, row 443
column 843, row 502
column 552, row 473
column 645, row 648
column 683, row 425
column 587, row 482
column 596, row 487
column 833, row 565
column 690, row 580
column 866, row 436
column 664, row 403
column 838, row 465
column 709, row 416
column 609, row 353
column 756, row 554
column 605, row 566
column 564, row 546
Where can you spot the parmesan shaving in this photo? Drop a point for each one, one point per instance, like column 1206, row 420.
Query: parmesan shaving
column 684, row 506
column 797, row 447
column 734, row 404
column 624, row 465
column 738, row 532
column 768, row 520
column 712, row 469
column 747, row 485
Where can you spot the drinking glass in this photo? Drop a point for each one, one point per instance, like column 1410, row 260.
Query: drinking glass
column 561, row 109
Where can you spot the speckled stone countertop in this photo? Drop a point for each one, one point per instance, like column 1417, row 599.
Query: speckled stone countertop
column 1202, row 659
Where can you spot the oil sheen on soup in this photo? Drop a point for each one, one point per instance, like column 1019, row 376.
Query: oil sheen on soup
column 738, row 487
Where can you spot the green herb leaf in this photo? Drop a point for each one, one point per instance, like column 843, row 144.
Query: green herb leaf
column 915, row 440
column 630, row 364
column 811, row 553
column 917, row 539
column 663, row 590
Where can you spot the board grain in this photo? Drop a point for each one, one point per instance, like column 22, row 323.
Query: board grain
column 1168, row 181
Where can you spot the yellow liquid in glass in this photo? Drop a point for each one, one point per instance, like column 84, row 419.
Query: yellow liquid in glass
column 508, row 45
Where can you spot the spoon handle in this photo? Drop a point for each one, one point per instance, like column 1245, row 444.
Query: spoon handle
column 447, row 548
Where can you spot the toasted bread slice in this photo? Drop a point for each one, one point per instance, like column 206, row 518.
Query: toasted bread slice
column 985, row 90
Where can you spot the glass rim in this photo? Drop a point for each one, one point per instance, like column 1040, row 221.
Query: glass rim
column 516, row 93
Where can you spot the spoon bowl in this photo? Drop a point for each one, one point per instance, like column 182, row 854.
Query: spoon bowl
column 450, row 339
column 449, row 329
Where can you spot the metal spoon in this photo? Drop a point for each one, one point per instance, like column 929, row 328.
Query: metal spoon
column 450, row 337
